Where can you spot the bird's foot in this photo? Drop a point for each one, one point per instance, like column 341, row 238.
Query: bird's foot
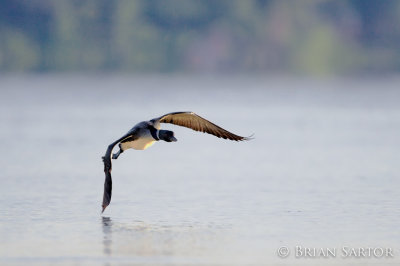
column 116, row 155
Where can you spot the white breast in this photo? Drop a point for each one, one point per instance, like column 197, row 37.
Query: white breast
column 145, row 141
column 139, row 144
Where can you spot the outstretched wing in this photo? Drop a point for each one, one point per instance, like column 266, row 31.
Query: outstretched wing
column 107, row 187
column 108, row 179
column 196, row 122
column 107, row 171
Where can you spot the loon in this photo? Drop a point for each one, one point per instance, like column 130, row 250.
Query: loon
column 146, row 133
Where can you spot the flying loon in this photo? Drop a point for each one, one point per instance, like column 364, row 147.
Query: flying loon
column 146, row 133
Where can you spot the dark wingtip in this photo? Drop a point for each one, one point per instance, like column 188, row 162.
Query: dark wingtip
column 104, row 207
column 249, row 137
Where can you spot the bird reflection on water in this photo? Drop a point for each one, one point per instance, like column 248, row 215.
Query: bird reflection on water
column 107, row 238
column 123, row 240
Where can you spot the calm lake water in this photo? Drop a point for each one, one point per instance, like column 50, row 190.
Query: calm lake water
column 321, row 172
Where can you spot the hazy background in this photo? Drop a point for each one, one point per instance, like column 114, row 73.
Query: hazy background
column 311, row 37
column 315, row 81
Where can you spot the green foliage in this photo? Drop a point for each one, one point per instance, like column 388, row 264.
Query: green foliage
column 17, row 51
column 316, row 37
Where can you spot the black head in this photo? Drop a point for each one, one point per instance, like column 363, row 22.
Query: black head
column 166, row 135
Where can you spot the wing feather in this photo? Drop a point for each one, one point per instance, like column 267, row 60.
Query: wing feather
column 197, row 123
column 107, row 170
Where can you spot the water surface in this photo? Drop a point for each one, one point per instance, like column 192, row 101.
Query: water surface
column 322, row 171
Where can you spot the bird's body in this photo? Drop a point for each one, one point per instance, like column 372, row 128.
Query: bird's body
column 139, row 144
column 145, row 137
column 146, row 133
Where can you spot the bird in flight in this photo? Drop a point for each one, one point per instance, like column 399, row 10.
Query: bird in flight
column 146, row 133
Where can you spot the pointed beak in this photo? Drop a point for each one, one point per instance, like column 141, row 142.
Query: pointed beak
column 173, row 139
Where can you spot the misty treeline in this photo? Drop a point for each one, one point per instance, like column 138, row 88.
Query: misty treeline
column 306, row 36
